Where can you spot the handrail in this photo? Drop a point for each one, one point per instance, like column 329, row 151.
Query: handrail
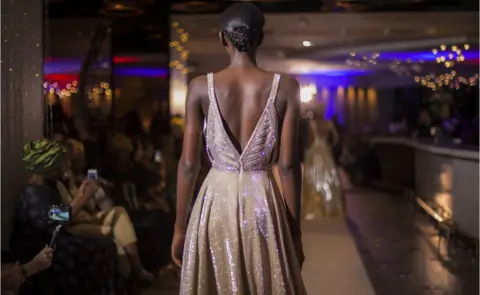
column 432, row 148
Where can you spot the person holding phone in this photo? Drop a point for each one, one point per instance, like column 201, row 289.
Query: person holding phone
column 96, row 258
column 99, row 217
column 14, row 275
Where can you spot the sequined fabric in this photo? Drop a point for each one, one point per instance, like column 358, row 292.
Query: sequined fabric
column 321, row 190
column 238, row 241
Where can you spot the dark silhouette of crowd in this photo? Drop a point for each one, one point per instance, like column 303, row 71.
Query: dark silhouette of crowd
column 119, row 235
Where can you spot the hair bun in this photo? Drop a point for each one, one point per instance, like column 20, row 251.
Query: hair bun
column 241, row 37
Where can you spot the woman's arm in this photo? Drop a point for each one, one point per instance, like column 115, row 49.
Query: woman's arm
column 12, row 277
column 189, row 164
column 289, row 163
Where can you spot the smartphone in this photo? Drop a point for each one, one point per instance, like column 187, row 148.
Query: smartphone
column 157, row 156
column 92, row 174
column 60, row 213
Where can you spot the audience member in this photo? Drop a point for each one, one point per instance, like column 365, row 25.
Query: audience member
column 425, row 124
column 140, row 189
column 99, row 218
column 14, row 275
column 82, row 265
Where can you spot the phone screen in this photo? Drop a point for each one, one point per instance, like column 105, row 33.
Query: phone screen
column 59, row 213
column 157, row 156
column 92, row 174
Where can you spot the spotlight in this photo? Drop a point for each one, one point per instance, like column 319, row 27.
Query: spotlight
column 307, row 43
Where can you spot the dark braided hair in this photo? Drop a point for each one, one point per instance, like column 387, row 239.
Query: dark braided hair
column 242, row 24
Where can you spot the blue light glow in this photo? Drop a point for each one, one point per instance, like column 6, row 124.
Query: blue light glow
column 72, row 67
column 423, row 55
column 327, row 80
column 344, row 73
column 63, row 67
column 141, row 71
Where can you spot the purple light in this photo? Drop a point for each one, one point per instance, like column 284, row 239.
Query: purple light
column 61, row 67
column 73, row 67
column 344, row 73
column 141, row 71
column 424, row 55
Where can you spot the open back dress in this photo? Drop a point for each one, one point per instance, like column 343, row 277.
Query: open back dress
column 238, row 240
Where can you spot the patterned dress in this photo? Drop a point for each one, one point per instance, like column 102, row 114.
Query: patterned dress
column 80, row 265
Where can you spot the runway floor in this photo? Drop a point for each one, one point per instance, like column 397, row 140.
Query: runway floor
column 333, row 265
column 385, row 247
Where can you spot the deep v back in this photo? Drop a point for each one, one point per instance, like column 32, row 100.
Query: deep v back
column 259, row 152
column 238, row 239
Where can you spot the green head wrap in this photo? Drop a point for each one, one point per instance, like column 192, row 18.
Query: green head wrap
column 43, row 156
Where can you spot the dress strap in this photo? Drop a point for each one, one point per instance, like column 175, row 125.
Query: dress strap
column 211, row 89
column 274, row 91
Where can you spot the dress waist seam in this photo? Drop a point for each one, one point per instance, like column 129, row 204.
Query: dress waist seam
column 238, row 171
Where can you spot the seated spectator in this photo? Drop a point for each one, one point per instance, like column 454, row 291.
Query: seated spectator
column 91, row 147
column 81, row 265
column 139, row 189
column 100, row 218
column 170, row 165
column 150, row 167
column 13, row 276
column 133, row 179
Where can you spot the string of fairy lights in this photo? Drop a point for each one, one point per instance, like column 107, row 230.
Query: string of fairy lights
column 448, row 57
column 54, row 88
column 180, row 47
column 98, row 90
column 362, row 60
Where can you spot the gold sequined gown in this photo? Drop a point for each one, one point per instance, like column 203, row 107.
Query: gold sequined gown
column 321, row 190
column 238, row 240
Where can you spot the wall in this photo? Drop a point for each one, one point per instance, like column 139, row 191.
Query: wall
column 452, row 184
column 447, row 178
column 21, row 96
column 356, row 107
column 366, row 103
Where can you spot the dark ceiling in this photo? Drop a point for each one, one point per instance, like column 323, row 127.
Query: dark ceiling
column 148, row 30
column 160, row 8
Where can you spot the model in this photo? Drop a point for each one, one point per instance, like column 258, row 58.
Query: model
column 242, row 236
column 322, row 193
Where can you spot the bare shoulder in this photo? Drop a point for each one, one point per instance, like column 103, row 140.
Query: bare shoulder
column 289, row 89
column 288, row 84
column 197, row 89
column 198, row 84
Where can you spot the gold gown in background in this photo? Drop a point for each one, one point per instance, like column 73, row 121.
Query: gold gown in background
column 321, row 189
column 238, row 240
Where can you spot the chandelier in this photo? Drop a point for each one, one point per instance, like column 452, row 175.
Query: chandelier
column 450, row 80
column 448, row 57
column 362, row 60
column 409, row 68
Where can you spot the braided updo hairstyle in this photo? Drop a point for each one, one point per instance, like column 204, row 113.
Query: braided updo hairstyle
column 242, row 24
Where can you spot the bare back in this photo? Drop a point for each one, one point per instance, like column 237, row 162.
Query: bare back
column 242, row 95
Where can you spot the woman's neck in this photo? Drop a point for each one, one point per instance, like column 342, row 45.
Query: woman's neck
column 243, row 60
column 36, row 179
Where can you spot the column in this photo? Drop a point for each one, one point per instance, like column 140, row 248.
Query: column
column 22, row 100
column 178, row 68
